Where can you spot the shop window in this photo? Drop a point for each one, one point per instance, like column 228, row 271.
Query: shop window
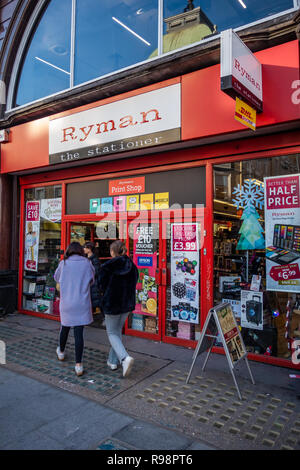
column 42, row 241
column 190, row 21
column 66, row 49
column 46, row 67
column 113, row 35
column 257, row 250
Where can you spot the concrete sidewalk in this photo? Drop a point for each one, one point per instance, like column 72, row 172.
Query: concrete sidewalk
column 152, row 409
column 37, row 416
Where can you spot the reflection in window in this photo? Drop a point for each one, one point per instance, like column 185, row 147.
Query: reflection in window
column 113, row 34
column 189, row 21
column 46, row 68
column 109, row 35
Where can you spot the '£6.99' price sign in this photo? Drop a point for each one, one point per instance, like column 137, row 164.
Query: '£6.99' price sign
column 285, row 273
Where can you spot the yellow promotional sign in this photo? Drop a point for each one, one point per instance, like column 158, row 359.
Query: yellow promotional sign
column 245, row 114
column 161, row 200
column 146, row 202
column 133, row 203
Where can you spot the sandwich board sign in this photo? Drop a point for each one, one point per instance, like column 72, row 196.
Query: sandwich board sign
column 221, row 321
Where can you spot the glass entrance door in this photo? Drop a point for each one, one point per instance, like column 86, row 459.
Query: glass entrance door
column 182, row 276
column 144, row 247
column 168, row 252
column 101, row 232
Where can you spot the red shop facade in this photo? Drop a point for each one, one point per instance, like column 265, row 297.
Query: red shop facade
column 138, row 165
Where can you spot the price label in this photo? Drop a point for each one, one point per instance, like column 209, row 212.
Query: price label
column 33, row 211
column 285, row 273
column 185, row 237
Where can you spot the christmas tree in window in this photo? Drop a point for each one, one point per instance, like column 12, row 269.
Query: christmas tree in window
column 249, row 197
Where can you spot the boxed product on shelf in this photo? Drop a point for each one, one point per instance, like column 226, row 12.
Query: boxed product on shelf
column 197, row 332
column 56, row 307
column 30, row 304
column 150, row 325
column 44, row 306
column 39, row 289
column 185, row 330
column 137, row 322
column 49, row 293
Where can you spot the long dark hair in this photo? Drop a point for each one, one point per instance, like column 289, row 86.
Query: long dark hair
column 73, row 249
column 118, row 248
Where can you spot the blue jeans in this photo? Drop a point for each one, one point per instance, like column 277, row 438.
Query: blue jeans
column 114, row 325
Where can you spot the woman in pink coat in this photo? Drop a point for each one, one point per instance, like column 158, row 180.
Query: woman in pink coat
column 75, row 274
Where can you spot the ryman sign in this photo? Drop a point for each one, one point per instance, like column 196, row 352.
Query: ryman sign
column 241, row 72
column 145, row 120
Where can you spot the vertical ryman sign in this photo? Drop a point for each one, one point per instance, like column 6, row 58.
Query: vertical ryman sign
column 145, row 120
column 241, row 72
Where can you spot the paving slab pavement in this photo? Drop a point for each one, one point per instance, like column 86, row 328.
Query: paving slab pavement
column 162, row 411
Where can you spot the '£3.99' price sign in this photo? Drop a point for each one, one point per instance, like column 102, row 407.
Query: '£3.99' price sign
column 184, row 237
column 185, row 275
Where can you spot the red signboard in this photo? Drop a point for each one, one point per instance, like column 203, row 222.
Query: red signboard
column 283, row 193
column 184, row 237
column 285, row 273
column 33, row 212
column 128, row 186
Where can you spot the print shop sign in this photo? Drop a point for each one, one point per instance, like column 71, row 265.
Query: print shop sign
column 145, row 120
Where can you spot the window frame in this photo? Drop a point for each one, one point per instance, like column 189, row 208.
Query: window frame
column 36, row 16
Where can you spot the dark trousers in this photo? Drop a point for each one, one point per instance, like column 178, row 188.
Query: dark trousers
column 79, row 344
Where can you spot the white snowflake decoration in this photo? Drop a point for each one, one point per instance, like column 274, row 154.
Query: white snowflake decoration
column 249, row 195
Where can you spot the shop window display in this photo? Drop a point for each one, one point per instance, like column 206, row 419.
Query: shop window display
column 42, row 240
column 257, row 250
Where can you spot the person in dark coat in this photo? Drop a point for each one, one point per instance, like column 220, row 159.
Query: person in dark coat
column 117, row 280
column 89, row 250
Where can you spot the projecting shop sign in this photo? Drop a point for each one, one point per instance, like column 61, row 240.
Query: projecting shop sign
column 145, row 120
column 241, row 72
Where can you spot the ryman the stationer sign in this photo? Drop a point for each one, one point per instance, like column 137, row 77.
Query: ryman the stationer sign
column 241, row 72
column 145, row 120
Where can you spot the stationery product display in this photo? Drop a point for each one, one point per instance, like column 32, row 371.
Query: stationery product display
column 44, row 306
column 286, row 244
column 137, row 322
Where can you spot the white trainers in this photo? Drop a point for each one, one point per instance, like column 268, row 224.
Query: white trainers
column 112, row 366
column 127, row 364
column 78, row 370
column 60, row 355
